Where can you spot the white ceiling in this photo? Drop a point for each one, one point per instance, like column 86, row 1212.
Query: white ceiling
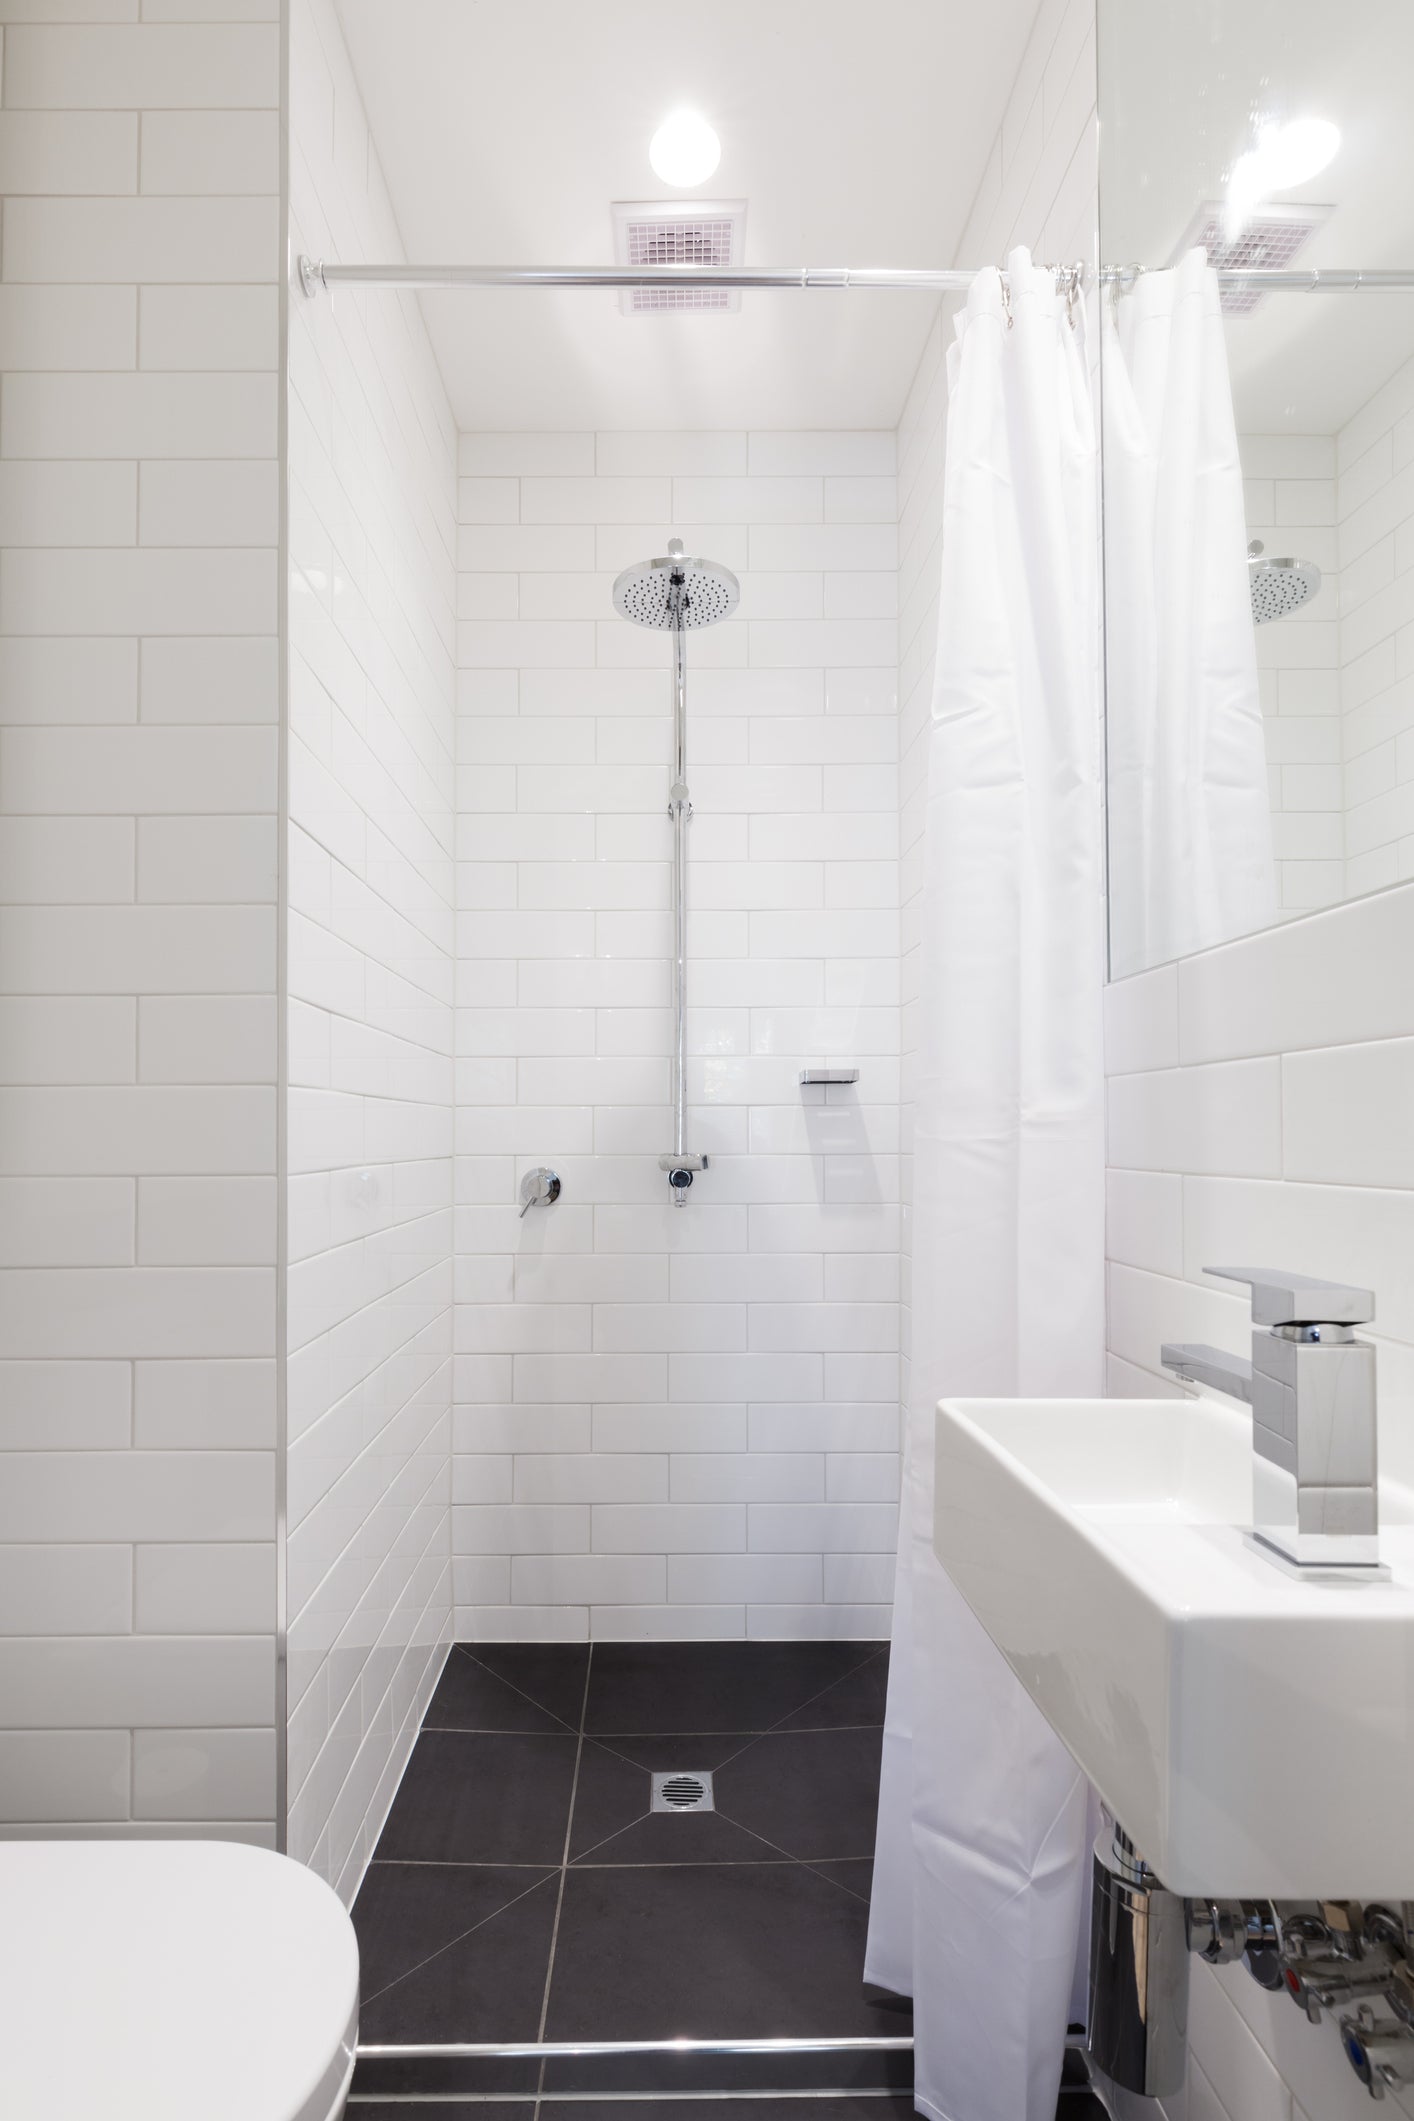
column 856, row 132
column 1179, row 88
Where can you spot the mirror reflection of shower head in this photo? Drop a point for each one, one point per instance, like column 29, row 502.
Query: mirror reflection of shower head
column 664, row 593
column 1279, row 586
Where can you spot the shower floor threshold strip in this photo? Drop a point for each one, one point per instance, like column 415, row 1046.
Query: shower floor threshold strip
column 534, row 2050
column 656, row 2098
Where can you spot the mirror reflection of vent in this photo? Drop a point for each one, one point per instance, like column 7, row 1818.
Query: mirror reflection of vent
column 679, row 232
column 1272, row 236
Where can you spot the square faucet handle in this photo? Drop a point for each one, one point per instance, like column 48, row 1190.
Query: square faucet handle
column 1282, row 1299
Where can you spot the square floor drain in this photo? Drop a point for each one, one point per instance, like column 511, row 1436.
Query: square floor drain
column 683, row 1790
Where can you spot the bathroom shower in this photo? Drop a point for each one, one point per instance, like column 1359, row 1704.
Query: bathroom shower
column 674, row 594
column 1279, row 586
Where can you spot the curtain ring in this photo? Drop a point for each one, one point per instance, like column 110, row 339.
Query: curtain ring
column 1123, row 279
column 1068, row 279
column 1006, row 300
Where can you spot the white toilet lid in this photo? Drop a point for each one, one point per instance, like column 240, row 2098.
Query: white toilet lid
column 161, row 1980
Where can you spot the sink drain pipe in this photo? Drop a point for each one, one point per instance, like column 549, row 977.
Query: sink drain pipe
column 1330, row 1956
column 1138, row 2021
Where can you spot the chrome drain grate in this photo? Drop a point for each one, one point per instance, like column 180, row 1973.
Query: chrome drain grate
column 683, row 1790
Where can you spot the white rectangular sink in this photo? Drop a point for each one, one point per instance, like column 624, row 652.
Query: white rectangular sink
column 1253, row 1733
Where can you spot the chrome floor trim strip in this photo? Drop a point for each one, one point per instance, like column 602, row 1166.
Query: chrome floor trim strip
column 534, row 2050
column 843, row 2091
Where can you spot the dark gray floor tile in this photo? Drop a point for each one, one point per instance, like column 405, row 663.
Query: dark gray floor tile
column 673, row 2074
column 855, row 1876
column 459, row 2110
column 612, row 1822
column 471, row 1697
column 482, row 1798
column 711, row 1686
column 671, row 1924
column 706, row 1951
column 811, row 1794
column 453, row 1952
column 551, row 1674
column 858, row 1698
column 672, row 1749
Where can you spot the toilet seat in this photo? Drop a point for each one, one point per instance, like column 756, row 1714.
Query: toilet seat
column 166, row 1980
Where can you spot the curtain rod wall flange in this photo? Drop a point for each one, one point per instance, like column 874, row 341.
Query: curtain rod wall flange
column 317, row 273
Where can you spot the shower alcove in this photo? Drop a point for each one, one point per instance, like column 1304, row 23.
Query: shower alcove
column 671, row 1429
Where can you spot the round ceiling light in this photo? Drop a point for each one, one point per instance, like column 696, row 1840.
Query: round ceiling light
column 684, row 151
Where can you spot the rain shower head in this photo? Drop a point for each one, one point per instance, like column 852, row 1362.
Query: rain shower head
column 1279, row 587
column 674, row 591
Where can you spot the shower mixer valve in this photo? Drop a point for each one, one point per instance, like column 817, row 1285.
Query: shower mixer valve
column 539, row 1188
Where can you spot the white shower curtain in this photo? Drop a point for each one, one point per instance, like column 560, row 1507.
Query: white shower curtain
column 1190, row 822
column 981, row 1859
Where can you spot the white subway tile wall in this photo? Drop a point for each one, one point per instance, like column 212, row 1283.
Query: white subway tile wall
column 1290, row 489
column 139, row 710
column 1262, row 1107
column 676, row 1421
column 371, row 708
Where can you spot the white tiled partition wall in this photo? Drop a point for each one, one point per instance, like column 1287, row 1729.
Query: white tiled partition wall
column 139, row 444
column 1260, row 1103
column 371, row 701
column 676, row 1421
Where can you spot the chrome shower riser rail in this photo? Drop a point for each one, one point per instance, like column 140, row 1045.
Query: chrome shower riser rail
column 680, row 810
column 672, row 594
column 315, row 273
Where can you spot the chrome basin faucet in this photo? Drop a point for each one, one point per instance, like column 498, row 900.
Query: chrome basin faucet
column 1311, row 1387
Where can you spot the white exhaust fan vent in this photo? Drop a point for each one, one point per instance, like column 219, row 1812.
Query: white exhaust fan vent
column 1272, row 236
column 679, row 232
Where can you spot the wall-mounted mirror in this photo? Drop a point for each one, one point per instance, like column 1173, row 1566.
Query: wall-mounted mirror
column 1260, row 653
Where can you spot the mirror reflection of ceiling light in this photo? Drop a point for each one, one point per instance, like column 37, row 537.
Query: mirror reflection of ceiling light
column 1285, row 155
column 684, row 151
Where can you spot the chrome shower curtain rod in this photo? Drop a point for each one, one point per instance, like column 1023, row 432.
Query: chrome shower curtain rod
column 317, row 273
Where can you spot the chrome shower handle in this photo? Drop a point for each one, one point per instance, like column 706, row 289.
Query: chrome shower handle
column 540, row 1186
